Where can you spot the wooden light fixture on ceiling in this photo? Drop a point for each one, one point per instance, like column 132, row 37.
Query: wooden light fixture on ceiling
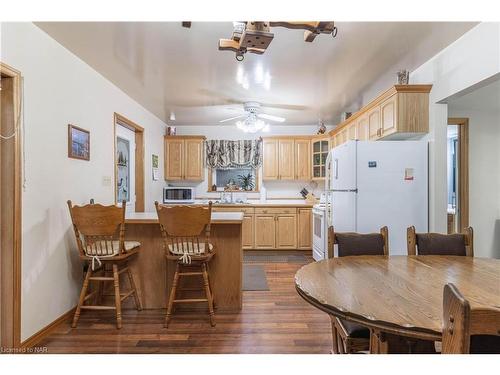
column 255, row 36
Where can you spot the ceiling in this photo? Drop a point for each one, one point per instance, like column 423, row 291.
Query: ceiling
column 168, row 68
column 484, row 99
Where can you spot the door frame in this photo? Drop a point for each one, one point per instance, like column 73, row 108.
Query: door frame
column 139, row 158
column 10, row 263
column 463, row 170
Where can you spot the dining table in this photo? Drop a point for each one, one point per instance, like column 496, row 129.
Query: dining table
column 399, row 298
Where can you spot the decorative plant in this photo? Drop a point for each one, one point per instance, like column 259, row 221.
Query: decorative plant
column 246, row 181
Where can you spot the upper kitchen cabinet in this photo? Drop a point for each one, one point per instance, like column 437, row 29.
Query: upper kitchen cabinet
column 303, row 159
column 399, row 113
column 286, row 158
column 320, row 149
column 184, row 158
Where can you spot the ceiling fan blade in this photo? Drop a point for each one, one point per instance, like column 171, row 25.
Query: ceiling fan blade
column 295, row 107
column 220, row 97
column 271, row 117
column 232, row 118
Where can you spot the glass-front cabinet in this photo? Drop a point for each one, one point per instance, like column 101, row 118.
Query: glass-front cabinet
column 320, row 150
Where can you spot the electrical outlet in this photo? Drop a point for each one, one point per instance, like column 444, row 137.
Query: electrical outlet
column 106, row 180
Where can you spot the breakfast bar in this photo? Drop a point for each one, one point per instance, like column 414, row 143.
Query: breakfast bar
column 154, row 274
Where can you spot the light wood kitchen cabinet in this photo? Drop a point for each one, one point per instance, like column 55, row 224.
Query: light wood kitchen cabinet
column 270, row 159
column 399, row 113
column 351, row 132
column 184, row 158
column 388, row 115
column 286, row 231
column 320, row 148
column 265, row 231
column 304, row 228
column 362, row 128
column 174, row 159
column 248, row 232
column 374, row 123
column 303, row 159
column 286, row 159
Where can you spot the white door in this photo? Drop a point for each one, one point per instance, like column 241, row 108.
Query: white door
column 125, row 167
column 344, row 167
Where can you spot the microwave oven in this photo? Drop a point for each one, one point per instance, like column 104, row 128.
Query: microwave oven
column 175, row 194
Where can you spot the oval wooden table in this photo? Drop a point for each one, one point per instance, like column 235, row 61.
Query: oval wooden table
column 397, row 296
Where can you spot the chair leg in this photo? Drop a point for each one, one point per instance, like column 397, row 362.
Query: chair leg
column 340, row 343
column 81, row 300
column 118, row 303
column 137, row 300
column 335, row 347
column 172, row 295
column 211, row 287
column 209, row 294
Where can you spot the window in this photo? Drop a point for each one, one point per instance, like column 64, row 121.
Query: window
column 235, row 179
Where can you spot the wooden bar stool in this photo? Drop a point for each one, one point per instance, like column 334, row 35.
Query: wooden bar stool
column 96, row 229
column 186, row 235
column 349, row 337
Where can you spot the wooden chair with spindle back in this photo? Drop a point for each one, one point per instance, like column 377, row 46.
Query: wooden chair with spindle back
column 461, row 244
column 186, row 235
column 350, row 337
column 100, row 237
column 466, row 330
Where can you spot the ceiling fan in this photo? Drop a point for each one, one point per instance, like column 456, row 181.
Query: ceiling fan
column 253, row 116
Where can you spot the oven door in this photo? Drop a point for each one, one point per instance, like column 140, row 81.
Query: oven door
column 319, row 235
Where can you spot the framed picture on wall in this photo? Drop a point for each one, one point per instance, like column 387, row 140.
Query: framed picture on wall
column 78, row 143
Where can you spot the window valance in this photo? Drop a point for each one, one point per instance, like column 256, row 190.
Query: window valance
column 224, row 154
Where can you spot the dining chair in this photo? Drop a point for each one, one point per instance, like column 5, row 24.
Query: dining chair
column 466, row 330
column 350, row 337
column 186, row 236
column 461, row 244
column 100, row 238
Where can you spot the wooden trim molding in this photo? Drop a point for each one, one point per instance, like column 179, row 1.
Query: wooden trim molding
column 463, row 170
column 10, row 210
column 139, row 158
column 45, row 331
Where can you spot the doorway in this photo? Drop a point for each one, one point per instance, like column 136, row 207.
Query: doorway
column 129, row 163
column 10, row 207
column 458, row 174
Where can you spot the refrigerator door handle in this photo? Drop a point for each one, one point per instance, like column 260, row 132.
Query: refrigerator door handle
column 336, row 169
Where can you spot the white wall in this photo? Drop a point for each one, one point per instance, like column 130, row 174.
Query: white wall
column 469, row 62
column 484, row 178
column 273, row 189
column 59, row 89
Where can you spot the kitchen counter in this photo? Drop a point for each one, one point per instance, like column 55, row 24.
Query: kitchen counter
column 258, row 203
column 152, row 217
column 154, row 274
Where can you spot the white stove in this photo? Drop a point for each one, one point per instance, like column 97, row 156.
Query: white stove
column 320, row 232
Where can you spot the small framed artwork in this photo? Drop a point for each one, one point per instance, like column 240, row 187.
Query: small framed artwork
column 78, row 143
column 156, row 173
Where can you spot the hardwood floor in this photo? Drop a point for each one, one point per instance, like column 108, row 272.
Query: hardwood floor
column 274, row 321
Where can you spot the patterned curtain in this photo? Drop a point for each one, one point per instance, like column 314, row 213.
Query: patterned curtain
column 223, row 154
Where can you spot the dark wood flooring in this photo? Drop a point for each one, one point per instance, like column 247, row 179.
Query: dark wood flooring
column 274, row 321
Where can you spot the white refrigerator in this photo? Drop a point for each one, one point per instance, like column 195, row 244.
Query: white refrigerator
column 374, row 184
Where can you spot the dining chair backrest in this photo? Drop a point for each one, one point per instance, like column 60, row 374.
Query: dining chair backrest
column 185, row 228
column 460, row 244
column 350, row 243
column 466, row 330
column 98, row 229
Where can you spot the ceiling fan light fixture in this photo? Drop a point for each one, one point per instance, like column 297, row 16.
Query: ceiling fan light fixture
column 252, row 125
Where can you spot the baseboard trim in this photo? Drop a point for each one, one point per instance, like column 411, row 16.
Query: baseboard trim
column 37, row 337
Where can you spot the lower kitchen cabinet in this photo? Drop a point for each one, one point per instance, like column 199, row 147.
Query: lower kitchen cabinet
column 248, row 232
column 265, row 231
column 286, row 231
column 304, row 228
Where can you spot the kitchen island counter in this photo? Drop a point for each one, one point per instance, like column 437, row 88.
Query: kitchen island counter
column 154, row 274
